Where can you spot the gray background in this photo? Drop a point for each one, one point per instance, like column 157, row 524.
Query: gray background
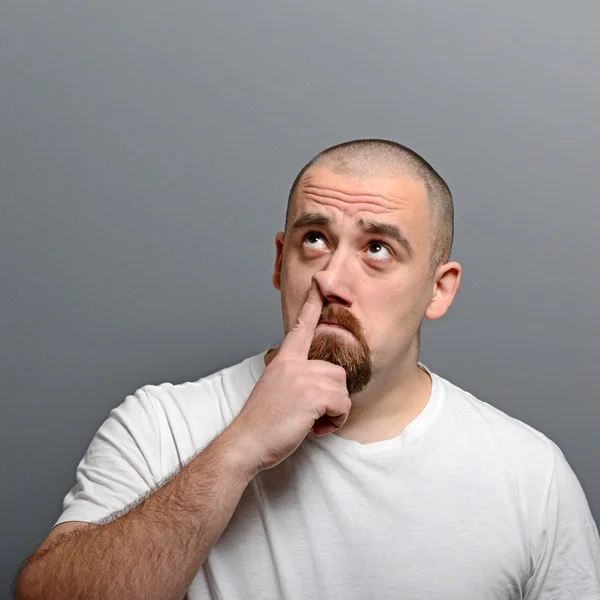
column 146, row 150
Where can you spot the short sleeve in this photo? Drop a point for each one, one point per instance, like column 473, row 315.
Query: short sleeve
column 568, row 565
column 121, row 463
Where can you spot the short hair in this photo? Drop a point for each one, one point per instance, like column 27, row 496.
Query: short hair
column 372, row 157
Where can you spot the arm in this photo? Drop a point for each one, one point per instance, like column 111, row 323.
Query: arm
column 568, row 560
column 155, row 549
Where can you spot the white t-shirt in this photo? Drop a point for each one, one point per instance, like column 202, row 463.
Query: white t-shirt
column 466, row 503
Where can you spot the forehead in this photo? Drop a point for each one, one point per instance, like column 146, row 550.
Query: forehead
column 401, row 199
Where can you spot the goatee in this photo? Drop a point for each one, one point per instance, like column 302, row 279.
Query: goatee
column 353, row 355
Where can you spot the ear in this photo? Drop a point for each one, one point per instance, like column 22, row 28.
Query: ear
column 446, row 284
column 277, row 269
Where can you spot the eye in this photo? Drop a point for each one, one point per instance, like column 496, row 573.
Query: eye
column 379, row 250
column 313, row 239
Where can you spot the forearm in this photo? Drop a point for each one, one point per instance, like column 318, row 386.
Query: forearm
column 154, row 550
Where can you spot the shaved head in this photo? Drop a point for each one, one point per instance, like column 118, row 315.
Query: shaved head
column 368, row 158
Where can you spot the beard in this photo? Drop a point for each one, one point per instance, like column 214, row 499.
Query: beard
column 353, row 355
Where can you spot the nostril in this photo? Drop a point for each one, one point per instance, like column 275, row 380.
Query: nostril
column 331, row 299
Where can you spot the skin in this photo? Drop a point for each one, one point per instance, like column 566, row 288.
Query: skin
column 388, row 291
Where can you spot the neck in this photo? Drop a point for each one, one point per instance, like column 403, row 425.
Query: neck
column 393, row 399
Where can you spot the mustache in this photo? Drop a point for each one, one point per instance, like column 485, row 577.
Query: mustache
column 337, row 315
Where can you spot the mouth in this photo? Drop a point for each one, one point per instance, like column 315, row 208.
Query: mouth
column 332, row 326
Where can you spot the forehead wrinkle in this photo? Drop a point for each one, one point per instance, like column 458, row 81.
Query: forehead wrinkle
column 321, row 194
column 345, row 206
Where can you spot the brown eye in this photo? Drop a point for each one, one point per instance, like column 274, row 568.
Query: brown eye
column 379, row 251
column 312, row 239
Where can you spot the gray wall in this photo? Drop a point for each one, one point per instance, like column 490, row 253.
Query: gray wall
column 146, row 150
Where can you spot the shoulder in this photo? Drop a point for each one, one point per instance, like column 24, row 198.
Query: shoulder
column 494, row 432
column 519, row 463
column 185, row 417
column 226, row 386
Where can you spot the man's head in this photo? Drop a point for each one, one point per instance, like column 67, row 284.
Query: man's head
column 372, row 222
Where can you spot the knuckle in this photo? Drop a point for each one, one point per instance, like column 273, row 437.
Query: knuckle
column 341, row 372
column 338, row 373
column 307, row 394
column 299, row 325
column 344, row 399
column 285, row 366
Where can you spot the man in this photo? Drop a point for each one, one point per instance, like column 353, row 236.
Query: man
column 337, row 465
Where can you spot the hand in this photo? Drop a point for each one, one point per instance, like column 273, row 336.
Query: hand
column 294, row 395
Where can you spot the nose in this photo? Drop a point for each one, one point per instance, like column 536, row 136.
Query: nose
column 333, row 283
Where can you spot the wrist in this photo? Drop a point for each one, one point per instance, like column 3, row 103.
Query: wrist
column 239, row 452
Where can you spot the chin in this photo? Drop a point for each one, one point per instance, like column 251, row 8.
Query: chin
column 355, row 358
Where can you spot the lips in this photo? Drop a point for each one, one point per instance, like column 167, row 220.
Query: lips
column 332, row 324
column 335, row 317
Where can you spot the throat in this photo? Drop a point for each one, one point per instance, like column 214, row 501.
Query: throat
column 377, row 417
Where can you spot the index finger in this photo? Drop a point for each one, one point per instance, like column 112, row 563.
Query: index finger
column 299, row 338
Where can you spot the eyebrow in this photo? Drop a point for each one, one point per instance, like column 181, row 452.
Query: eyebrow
column 368, row 226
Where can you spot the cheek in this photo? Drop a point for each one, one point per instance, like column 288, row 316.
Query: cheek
column 392, row 311
column 295, row 280
column 291, row 270
column 295, row 284
column 378, row 310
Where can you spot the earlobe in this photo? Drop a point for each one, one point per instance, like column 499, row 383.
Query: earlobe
column 446, row 287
